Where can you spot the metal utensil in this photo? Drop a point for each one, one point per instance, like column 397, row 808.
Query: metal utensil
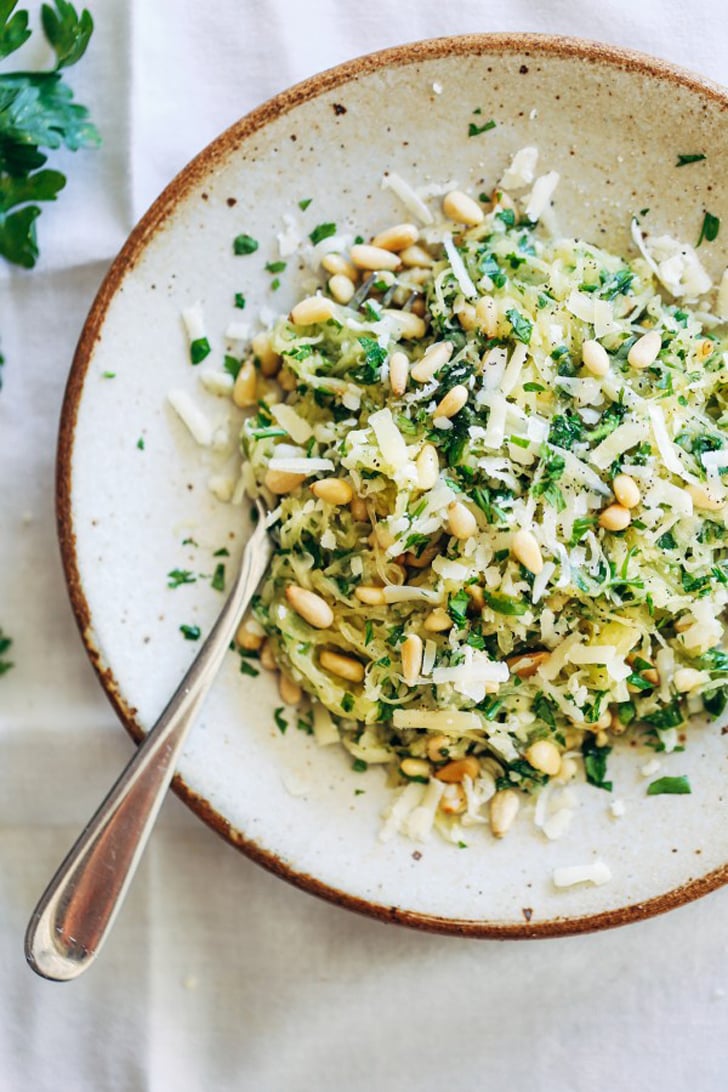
column 76, row 912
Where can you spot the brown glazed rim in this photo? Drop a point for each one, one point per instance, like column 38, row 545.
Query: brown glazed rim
column 479, row 44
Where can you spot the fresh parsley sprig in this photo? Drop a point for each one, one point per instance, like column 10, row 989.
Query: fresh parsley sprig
column 37, row 112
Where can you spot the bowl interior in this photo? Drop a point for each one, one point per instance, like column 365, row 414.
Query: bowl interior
column 612, row 125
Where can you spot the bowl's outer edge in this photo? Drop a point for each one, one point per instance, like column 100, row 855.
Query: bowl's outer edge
column 154, row 218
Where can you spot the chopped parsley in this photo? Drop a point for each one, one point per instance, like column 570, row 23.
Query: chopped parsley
column 691, row 157
column 359, row 765
column 240, row 300
column 191, row 633
column 595, row 763
column 177, row 577
column 5, row 643
column 304, row 203
column 218, row 577
column 669, row 786
column 140, row 443
column 521, row 326
column 244, row 244
column 275, row 267
column 199, row 349
column 322, row 231
column 709, row 230
column 281, row 722
column 476, row 130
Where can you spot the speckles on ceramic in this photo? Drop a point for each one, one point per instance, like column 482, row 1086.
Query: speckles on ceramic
column 612, row 123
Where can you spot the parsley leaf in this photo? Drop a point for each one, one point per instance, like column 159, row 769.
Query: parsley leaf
column 476, row 130
column 710, row 228
column 191, row 633
column 244, row 244
column 322, row 231
column 5, row 643
column 522, row 327
column 177, row 577
column 595, row 763
column 694, row 157
column 675, row 786
column 281, row 722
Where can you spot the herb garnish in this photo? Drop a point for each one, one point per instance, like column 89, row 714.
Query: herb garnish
column 281, row 722
column 595, row 763
column 244, row 244
column 694, row 157
column 476, row 130
column 322, row 231
column 191, row 633
column 5, row 643
column 710, row 228
column 177, row 577
column 522, row 327
column 675, row 786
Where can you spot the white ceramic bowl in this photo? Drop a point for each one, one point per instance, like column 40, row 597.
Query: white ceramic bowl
column 612, row 123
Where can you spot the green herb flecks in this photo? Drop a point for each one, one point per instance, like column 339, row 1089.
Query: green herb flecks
column 669, row 786
column 199, row 349
column 5, row 643
column 304, row 203
column 709, row 230
column 322, row 231
column 691, row 157
column 505, row 604
column 281, row 722
column 177, row 577
column 244, row 244
column 37, row 112
column 521, row 326
column 476, row 130
column 359, row 765
column 595, row 763
column 239, row 301
column 190, row 633
column 218, row 578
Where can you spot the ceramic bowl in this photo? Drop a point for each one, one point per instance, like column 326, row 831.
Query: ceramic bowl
column 133, row 496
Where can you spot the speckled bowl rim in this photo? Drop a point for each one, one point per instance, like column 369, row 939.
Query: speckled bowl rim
column 534, row 45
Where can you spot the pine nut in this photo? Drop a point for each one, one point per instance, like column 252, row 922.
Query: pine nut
column 408, row 326
column 270, row 361
column 397, row 238
column 527, row 664
column 287, row 379
column 434, row 358
column 314, row 309
column 416, row 256
column 341, row 287
column 281, row 482
column 453, row 801
column 415, row 767
column 453, row 402
column 615, row 726
column 267, row 658
column 462, row 209
column 358, row 509
column 568, row 769
column 248, row 636
column 486, row 312
column 458, row 770
column 338, row 266
column 645, row 349
column 475, row 592
column 373, row 257
column 626, row 491
column 289, row 690
column 503, row 810
column 461, row 521
column 311, row 607
column 411, row 653
column 345, row 667
column 615, row 518
column 370, row 594
column 467, row 317
column 398, row 373
column 545, row 756
column 683, row 623
column 595, row 358
column 686, row 679
column 244, row 387
column 438, row 621
column 428, row 467
column 705, row 349
column 703, row 499
column 526, row 549
column 425, row 559
column 438, row 748
column 333, row 491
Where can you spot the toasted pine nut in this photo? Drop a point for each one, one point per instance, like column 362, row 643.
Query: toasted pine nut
column 459, row 769
column 311, row 607
column 438, row 621
column 645, row 349
column 595, row 358
column 453, row 401
column 567, row 770
column 415, row 767
column 615, row 518
column 486, row 312
column 311, row 310
column 615, row 725
column 626, row 491
column 333, row 490
column 341, row 287
column 526, row 549
column 438, row 748
column 248, row 635
column 370, row 594
column 425, row 558
column 244, row 386
column 373, row 257
column 527, row 664
column 287, row 379
column 433, row 359
column 453, row 801
column 397, row 238
column 467, row 317
column 601, row 738
column 345, row 667
column 281, row 482
column 461, row 521
column 289, row 690
column 683, row 623
column 358, row 509
column 462, row 209
column 410, row 327
column 475, row 592
column 503, row 810
column 545, row 756
column 703, row 499
column 411, row 653
column 270, row 361
column 398, row 373
column 267, row 657
column 686, row 679
column 414, row 256
column 705, row 349
column 338, row 265
column 428, row 467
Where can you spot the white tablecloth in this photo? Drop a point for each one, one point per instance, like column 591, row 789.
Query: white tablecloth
column 219, row 976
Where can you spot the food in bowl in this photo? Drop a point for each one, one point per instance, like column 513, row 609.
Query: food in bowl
column 495, row 460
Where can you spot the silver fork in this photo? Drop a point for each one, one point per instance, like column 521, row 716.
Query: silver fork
column 77, row 909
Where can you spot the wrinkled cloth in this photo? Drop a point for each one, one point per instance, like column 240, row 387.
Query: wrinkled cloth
column 217, row 975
